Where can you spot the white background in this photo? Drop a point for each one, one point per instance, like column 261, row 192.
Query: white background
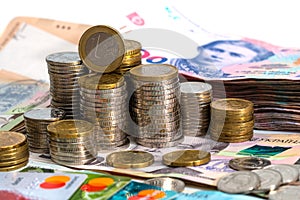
column 273, row 21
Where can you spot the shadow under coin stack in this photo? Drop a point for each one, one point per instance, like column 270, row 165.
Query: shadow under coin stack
column 14, row 152
column 36, row 122
column 64, row 69
column 71, row 142
column 132, row 56
column 195, row 107
column 154, row 105
column 103, row 103
column 231, row 120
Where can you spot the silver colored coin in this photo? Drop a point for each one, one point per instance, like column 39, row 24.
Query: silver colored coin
column 239, row 182
column 44, row 114
column 195, row 87
column 289, row 173
column 167, row 183
column 269, row 179
column 71, row 58
column 248, row 163
column 287, row 192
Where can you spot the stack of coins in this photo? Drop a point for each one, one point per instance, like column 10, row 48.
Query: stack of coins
column 64, row 69
column 195, row 107
column 231, row 120
column 36, row 122
column 14, row 152
column 103, row 102
column 132, row 57
column 71, row 142
column 154, row 105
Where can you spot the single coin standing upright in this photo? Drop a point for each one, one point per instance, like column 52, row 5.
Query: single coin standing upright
column 101, row 48
column 195, row 107
column 103, row 102
column 231, row 120
column 64, row 70
column 14, row 152
column 155, row 105
column 36, row 122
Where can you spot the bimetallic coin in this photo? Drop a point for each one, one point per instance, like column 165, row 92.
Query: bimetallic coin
column 239, row 182
column 11, row 140
column 287, row 192
column 248, row 163
column 154, row 72
column 269, row 180
column 167, row 183
column 183, row 158
column 101, row 48
column 130, row 159
column 132, row 47
column 289, row 173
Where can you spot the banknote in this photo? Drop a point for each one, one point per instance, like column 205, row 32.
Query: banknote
column 278, row 148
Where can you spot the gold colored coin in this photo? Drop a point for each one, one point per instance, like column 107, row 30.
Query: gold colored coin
column 184, row 158
column 70, row 128
column 10, row 140
column 132, row 47
column 130, row 159
column 101, row 48
column 232, row 105
column 13, row 167
column 97, row 81
column 154, row 72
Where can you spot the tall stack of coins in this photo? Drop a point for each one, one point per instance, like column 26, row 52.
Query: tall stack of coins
column 103, row 102
column 14, row 152
column 132, row 56
column 64, row 69
column 231, row 120
column 195, row 107
column 71, row 142
column 155, row 106
column 36, row 122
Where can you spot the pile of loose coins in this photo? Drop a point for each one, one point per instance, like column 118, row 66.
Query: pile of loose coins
column 14, row 152
column 231, row 120
column 195, row 107
column 36, row 122
column 64, row 69
column 155, row 105
column 258, row 176
column 103, row 102
column 71, row 142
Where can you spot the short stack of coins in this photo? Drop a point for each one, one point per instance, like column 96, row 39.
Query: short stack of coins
column 195, row 107
column 132, row 56
column 71, row 142
column 155, row 105
column 14, row 152
column 231, row 120
column 64, row 69
column 36, row 122
column 104, row 103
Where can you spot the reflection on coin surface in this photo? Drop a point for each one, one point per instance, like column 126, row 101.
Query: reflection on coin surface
column 248, row 163
column 101, row 48
column 130, row 159
column 10, row 139
column 183, row 158
column 285, row 192
column 289, row 173
column 269, row 179
column 45, row 114
column 232, row 104
column 167, row 183
column 238, row 182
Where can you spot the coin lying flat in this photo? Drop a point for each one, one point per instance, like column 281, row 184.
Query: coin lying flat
column 285, row 192
column 183, row 158
column 167, row 183
column 101, row 48
column 248, row 163
column 269, row 179
column 10, row 140
column 289, row 173
column 238, row 182
column 130, row 159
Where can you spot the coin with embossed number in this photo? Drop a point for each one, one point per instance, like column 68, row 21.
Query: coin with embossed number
column 238, row 182
column 130, row 159
column 167, row 183
column 248, row 163
column 101, row 48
